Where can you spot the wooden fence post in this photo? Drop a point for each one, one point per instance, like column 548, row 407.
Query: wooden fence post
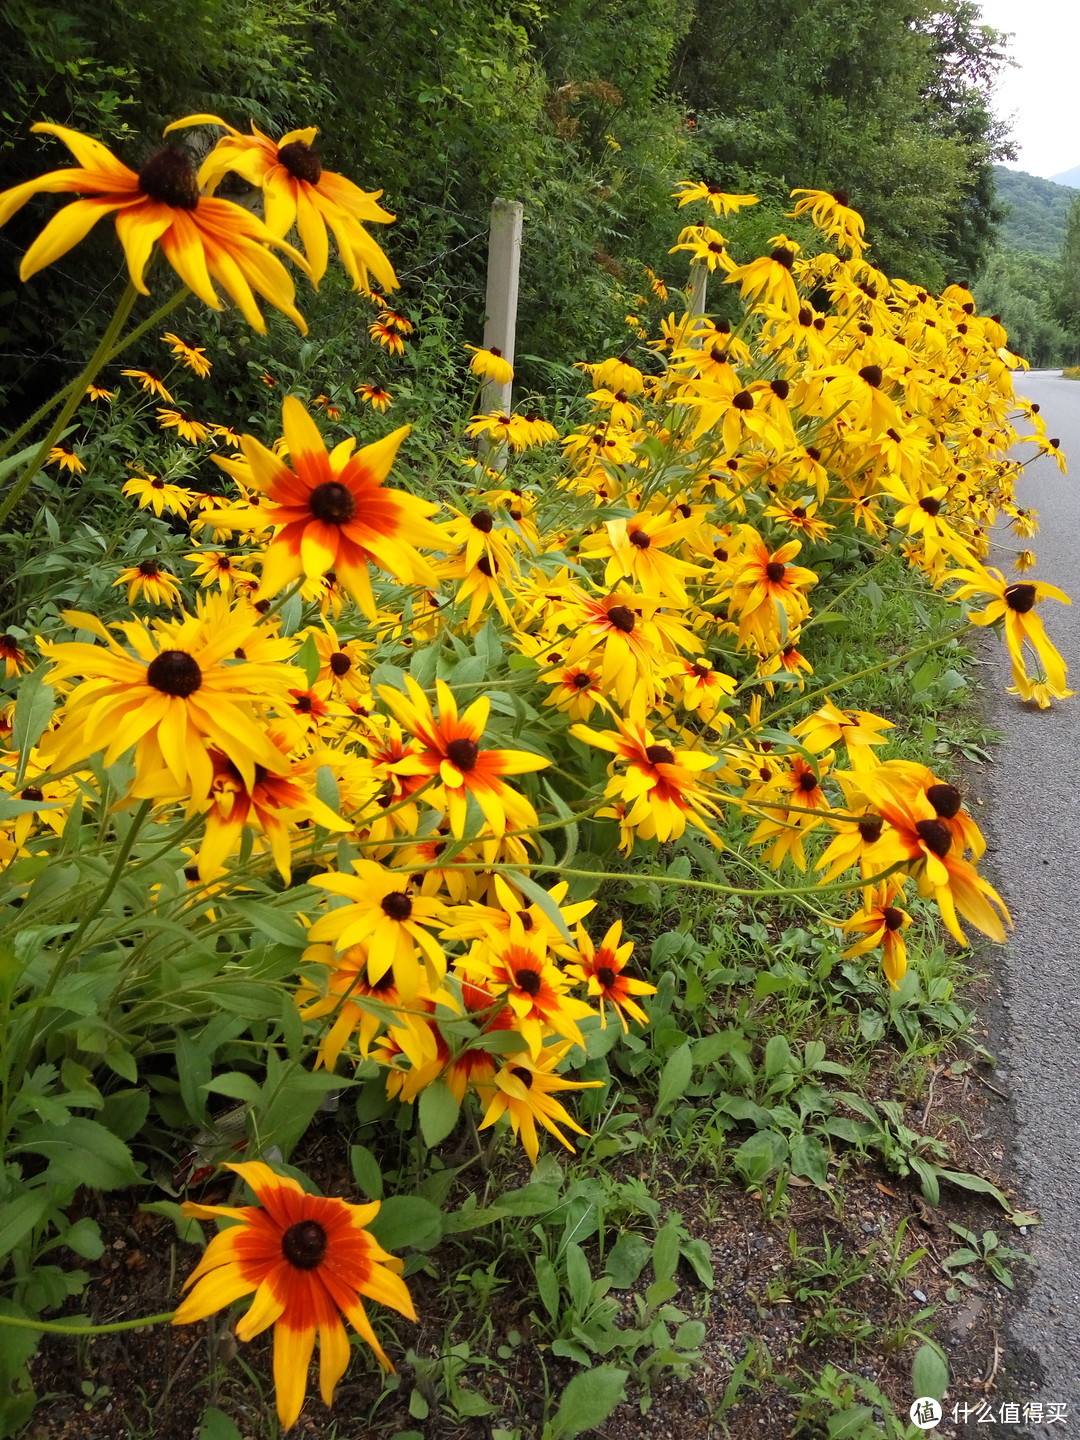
column 500, row 323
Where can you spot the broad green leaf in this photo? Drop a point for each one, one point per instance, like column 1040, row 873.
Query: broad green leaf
column 588, row 1401
column 627, row 1259
column 407, row 1220
column 366, row 1171
column 439, row 1111
column 82, row 1152
column 675, row 1077
column 929, row 1373
column 236, row 1085
column 216, row 1425
column 759, row 1156
column 19, row 1216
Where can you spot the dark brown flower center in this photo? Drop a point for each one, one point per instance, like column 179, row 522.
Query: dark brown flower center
column 332, row 503
column 870, row 827
column 527, row 980
column 301, row 161
column 32, row 793
column 174, row 672
column 893, row 918
column 169, row 177
column 930, row 505
column 639, row 539
column 520, row 1073
column 659, row 755
column 1020, row 598
column 622, row 618
column 397, row 905
column 935, row 835
column 148, row 568
column 808, row 781
column 776, row 571
column 340, row 663
column 483, row 521
column 463, row 753
column 946, row 800
column 743, row 400
column 606, row 976
column 487, row 566
column 780, row 388
column 806, row 316
column 872, row 374
column 581, row 680
column 840, row 196
column 783, row 255
column 304, row 1244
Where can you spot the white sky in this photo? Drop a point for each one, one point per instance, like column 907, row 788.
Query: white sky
column 1040, row 97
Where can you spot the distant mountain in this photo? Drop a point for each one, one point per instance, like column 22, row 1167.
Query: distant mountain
column 1037, row 210
column 1068, row 177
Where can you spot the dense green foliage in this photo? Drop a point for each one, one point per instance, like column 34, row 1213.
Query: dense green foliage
column 587, row 112
column 1032, row 280
column 1035, row 211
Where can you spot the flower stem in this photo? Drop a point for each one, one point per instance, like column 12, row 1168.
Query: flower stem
column 71, row 404
column 140, row 330
column 52, row 1328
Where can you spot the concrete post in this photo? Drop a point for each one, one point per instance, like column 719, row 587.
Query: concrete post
column 500, row 323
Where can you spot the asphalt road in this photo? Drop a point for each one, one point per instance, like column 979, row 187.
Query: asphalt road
column 1034, row 828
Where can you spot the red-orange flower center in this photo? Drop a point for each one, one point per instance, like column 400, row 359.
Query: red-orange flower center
column 893, row 918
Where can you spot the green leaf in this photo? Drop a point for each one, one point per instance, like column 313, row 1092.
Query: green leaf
column 439, row 1111
column 778, row 1056
column 547, row 1285
column 275, row 924
column 967, row 1181
column 188, row 1229
column 627, row 1259
column 407, row 1220
column 850, row 1424
column 759, row 1156
column 82, row 1152
column 84, row 1237
column 588, row 1401
column 216, row 1425
column 809, row 1158
column 19, row 1216
column 307, row 657
column 929, row 1373
column 236, row 1085
column 366, row 1171
column 675, row 1077
column 33, row 709
column 666, row 1250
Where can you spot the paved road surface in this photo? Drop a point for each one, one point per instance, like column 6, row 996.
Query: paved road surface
column 1035, row 830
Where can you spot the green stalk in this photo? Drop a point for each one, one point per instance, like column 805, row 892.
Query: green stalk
column 71, row 404
column 51, row 1328
column 140, row 330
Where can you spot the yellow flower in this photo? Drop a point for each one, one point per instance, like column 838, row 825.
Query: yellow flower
column 717, row 199
column 66, row 458
column 158, row 495
column 490, row 365
column 191, row 356
column 376, row 396
column 204, row 240
column 186, row 426
column 525, row 1087
column 150, row 580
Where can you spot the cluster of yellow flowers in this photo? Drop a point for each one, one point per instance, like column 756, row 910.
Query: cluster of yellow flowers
column 642, row 597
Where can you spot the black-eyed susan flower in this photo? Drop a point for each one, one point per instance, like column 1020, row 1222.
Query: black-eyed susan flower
column 502, row 429
column 706, row 246
column 490, row 365
column 383, row 913
column 174, row 689
column 881, row 924
column 831, row 212
column 768, row 280
column 602, row 968
column 66, row 458
column 717, row 200
column 1015, row 605
column 186, row 426
column 447, row 748
column 151, row 382
column 308, row 1260
column 525, row 1087
column 298, row 191
column 154, row 493
column 332, row 511
column 150, row 581
column 192, row 357
column 514, row 966
column 216, row 567
column 100, row 395
column 376, row 396
column 204, row 240
column 386, row 336
column 13, row 655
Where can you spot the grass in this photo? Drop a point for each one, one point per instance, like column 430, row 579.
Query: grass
column 732, row 1245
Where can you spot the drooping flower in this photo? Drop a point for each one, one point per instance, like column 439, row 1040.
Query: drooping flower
column 490, row 365
column 66, row 458
column 298, row 191
column 882, row 923
column 525, row 1089
column 152, row 581
column 204, row 240
column 192, row 357
column 307, row 1259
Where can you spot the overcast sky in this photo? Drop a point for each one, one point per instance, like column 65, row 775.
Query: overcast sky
column 1040, row 96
